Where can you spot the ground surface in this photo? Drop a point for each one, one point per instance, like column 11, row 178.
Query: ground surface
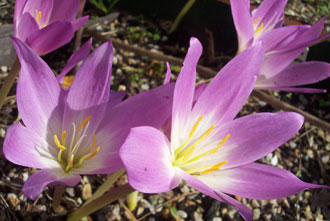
column 306, row 155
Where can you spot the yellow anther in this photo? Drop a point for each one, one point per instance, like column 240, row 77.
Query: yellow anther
column 93, row 154
column 63, row 136
column 259, row 30
column 58, row 144
column 214, row 168
column 94, row 143
column 188, row 154
column 194, row 127
column 222, row 142
column 39, row 17
column 255, row 21
column 83, row 123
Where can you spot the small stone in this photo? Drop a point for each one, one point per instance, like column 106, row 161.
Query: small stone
column 262, row 103
column 139, row 211
column 70, row 191
column 13, row 200
column 224, row 211
column 4, row 69
column 145, row 87
column 292, row 144
column 256, row 214
column 182, row 214
column 238, row 198
column 39, row 208
column 217, row 219
column 25, row 176
column 255, row 204
column 87, row 191
column 269, row 157
column 145, row 204
column 286, row 203
column 197, row 217
column 274, row 161
column 268, row 217
column 99, row 28
column 325, row 159
column 310, row 153
column 231, row 213
column 308, row 213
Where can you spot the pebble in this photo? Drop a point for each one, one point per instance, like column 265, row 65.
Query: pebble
column 325, row 159
column 4, row 69
column 39, row 208
column 268, row 217
column 197, row 217
column 224, row 211
column 308, row 213
column 70, row 191
column 25, row 176
column 139, row 211
column 256, row 214
column 217, row 219
column 231, row 213
column 87, row 191
column 274, row 161
column 182, row 214
column 13, row 200
column 145, row 87
column 255, row 204
column 310, row 154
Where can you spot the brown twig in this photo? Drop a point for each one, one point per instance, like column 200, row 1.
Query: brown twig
column 77, row 41
column 131, row 215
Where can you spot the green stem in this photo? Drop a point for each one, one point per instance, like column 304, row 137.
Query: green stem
column 181, row 14
column 106, row 185
column 58, row 193
column 100, row 202
column 9, row 81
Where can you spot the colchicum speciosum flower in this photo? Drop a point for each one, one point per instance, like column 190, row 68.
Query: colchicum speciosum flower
column 46, row 25
column 77, row 130
column 210, row 150
column 282, row 45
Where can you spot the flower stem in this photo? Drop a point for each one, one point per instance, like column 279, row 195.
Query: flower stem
column 100, row 202
column 9, row 81
column 181, row 14
column 58, row 193
column 106, row 185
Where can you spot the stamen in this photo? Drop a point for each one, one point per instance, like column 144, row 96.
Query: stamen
column 214, row 168
column 255, row 21
column 63, row 136
column 58, row 144
column 83, row 123
column 70, row 163
column 59, row 157
column 93, row 154
column 39, row 17
column 259, row 30
column 194, row 127
column 188, row 154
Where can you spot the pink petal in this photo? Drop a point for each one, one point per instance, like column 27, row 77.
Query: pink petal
column 168, row 74
column 64, row 10
column 19, row 6
column 244, row 211
column 51, row 37
column 26, row 25
column 75, row 58
column 78, row 23
column 228, row 91
column 147, row 159
column 48, row 177
column 38, row 93
column 257, row 181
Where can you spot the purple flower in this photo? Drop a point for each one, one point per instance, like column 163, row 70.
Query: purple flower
column 282, row 45
column 207, row 148
column 46, row 25
column 67, row 132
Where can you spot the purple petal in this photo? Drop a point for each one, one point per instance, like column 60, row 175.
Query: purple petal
column 19, row 6
column 38, row 93
column 147, row 159
column 77, row 23
column 64, row 10
column 75, row 58
column 229, row 90
column 115, row 98
column 310, row 34
column 89, row 92
column 256, row 135
column 43, row 6
column 132, row 113
column 51, row 37
column 243, row 23
column 26, row 25
column 168, row 74
column 185, row 87
column 245, row 212
column 48, row 177
column 297, row 74
column 19, row 147
column 257, row 181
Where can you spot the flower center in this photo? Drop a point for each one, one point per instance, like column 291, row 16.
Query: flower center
column 258, row 29
column 38, row 18
column 72, row 154
column 183, row 155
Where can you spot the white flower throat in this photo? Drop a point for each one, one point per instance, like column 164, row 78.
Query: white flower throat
column 73, row 152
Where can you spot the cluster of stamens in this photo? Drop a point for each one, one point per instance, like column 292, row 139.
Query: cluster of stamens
column 72, row 156
column 183, row 154
column 38, row 18
column 259, row 29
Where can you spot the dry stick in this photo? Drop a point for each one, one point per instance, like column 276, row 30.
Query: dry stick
column 132, row 217
column 58, row 193
column 209, row 73
column 77, row 41
column 9, row 81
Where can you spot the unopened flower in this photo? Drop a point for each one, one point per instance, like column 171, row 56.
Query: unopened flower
column 282, row 45
column 207, row 148
column 46, row 25
column 78, row 130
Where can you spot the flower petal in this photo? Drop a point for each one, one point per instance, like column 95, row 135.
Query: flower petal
column 168, row 74
column 77, row 23
column 48, row 177
column 19, row 147
column 75, row 58
column 184, row 92
column 146, row 156
column 243, row 22
column 64, row 10
column 19, row 7
column 297, row 74
column 26, row 25
column 51, row 37
column 228, row 91
column 257, row 181
column 38, row 93
column 245, row 212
